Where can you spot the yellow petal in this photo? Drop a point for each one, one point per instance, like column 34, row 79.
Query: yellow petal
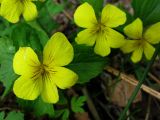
column 129, row 46
column 49, row 93
column 137, row 55
column 11, row 10
column 25, row 61
column 135, row 29
column 30, row 10
column 102, row 47
column 27, row 88
column 84, row 16
column 113, row 16
column 148, row 50
column 58, row 51
column 86, row 37
column 152, row 34
column 64, row 78
column 115, row 39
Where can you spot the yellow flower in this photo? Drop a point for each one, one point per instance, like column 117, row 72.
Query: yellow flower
column 12, row 10
column 43, row 78
column 100, row 32
column 141, row 41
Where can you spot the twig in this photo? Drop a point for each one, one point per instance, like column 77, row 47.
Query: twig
column 5, row 108
column 128, row 113
column 148, row 108
column 106, row 109
column 153, row 78
column 140, row 83
column 67, row 15
column 65, row 12
column 9, row 108
column 133, row 82
column 91, row 105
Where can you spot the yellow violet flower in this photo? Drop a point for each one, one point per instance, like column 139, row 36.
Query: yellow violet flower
column 140, row 41
column 43, row 78
column 100, row 32
column 12, row 10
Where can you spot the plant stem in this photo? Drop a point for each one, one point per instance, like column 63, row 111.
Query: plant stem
column 123, row 114
column 91, row 104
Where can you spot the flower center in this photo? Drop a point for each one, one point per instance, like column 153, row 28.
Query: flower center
column 42, row 69
column 22, row 1
column 99, row 28
column 141, row 42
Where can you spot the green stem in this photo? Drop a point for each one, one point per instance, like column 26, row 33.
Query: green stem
column 123, row 114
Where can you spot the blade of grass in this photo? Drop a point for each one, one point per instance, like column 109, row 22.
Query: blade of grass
column 123, row 114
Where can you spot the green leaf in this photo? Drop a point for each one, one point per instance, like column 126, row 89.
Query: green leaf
column 39, row 107
column 20, row 35
column 64, row 114
column 15, row 116
column 86, row 63
column 35, row 42
column 5, row 28
column 62, row 98
column 2, row 114
column 97, row 5
column 54, row 8
column 147, row 10
column 7, row 75
column 6, row 48
column 48, row 24
column 40, row 32
column 77, row 103
column 46, row 14
column 27, row 37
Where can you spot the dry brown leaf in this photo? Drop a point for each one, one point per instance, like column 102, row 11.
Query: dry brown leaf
column 82, row 116
column 121, row 92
